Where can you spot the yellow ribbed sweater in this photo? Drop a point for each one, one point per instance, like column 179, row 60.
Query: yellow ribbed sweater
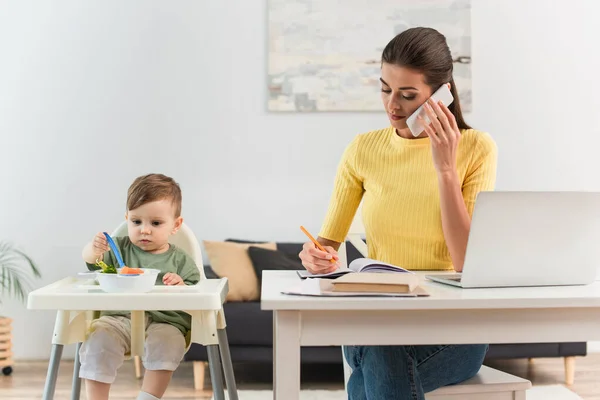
column 397, row 182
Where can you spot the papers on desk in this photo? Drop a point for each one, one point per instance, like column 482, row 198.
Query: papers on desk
column 324, row 288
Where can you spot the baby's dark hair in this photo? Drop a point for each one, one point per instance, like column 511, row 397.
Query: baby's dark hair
column 154, row 187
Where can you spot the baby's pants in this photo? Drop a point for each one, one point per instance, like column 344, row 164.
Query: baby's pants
column 110, row 339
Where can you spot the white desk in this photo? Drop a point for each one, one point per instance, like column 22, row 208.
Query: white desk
column 73, row 299
column 449, row 316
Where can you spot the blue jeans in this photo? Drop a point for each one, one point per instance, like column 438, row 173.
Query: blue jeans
column 408, row 372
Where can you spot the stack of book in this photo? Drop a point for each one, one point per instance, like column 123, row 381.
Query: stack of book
column 375, row 282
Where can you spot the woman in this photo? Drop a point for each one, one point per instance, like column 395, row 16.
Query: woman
column 418, row 196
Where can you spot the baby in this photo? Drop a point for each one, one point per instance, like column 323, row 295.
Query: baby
column 153, row 214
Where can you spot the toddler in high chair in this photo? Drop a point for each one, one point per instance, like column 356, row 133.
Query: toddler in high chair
column 153, row 214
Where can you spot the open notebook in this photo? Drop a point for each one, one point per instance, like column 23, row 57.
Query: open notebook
column 358, row 265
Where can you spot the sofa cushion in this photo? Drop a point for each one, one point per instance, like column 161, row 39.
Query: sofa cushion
column 247, row 324
column 567, row 349
column 264, row 354
column 535, row 350
column 209, row 273
column 510, row 350
column 231, row 260
column 292, row 249
column 265, row 259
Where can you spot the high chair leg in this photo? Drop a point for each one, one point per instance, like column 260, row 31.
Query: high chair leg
column 227, row 364
column 50, row 385
column 76, row 388
column 216, row 372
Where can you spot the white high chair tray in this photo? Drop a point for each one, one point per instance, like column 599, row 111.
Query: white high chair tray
column 79, row 295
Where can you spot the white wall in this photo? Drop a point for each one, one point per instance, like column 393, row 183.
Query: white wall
column 94, row 93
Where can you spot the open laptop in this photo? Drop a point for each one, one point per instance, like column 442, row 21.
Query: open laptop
column 531, row 239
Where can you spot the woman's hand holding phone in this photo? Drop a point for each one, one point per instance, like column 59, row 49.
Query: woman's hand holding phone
column 444, row 135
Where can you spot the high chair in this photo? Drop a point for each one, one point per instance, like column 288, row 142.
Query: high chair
column 488, row 384
column 187, row 241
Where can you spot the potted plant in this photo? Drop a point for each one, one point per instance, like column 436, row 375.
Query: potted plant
column 16, row 269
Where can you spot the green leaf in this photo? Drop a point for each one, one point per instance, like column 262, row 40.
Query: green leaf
column 16, row 270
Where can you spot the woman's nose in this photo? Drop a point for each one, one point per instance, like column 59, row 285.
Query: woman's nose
column 393, row 104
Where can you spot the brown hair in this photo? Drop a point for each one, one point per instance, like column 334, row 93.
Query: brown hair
column 154, row 187
column 426, row 50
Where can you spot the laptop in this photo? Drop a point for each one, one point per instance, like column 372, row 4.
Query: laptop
column 531, row 239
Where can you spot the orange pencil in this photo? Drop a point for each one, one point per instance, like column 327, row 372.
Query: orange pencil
column 303, row 229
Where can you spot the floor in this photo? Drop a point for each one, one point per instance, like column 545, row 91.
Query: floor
column 27, row 380
column 548, row 371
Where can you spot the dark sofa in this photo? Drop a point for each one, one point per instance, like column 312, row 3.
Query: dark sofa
column 250, row 333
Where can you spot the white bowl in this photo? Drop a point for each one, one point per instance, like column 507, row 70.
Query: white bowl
column 117, row 283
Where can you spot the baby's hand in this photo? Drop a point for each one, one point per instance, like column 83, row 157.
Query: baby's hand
column 99, row 244
column 172, row 279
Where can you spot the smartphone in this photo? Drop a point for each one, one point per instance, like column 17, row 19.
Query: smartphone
column 442, row 94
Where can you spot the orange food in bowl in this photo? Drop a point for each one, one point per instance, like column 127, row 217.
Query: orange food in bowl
column 126, row 270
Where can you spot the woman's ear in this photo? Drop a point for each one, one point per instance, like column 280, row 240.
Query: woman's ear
column 449, row 86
